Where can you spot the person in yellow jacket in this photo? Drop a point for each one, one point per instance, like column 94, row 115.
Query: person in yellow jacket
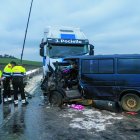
column 0, row 85
column 0, row 73
column 18, row 73
column 6, row 81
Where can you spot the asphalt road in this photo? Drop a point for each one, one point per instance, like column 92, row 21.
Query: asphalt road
column 40, row 121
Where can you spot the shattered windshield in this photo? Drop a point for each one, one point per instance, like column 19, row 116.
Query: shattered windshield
column 69, row 50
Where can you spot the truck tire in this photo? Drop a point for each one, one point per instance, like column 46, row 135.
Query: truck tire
column 130, row 102
column 56, row 98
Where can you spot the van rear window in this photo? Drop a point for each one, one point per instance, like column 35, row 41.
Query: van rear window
column 129, row 66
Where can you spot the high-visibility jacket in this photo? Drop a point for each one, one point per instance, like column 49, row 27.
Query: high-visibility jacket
column 0, row 73
column 7, row 70
column 18, row 71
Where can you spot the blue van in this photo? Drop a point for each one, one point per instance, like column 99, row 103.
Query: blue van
column 112, row 77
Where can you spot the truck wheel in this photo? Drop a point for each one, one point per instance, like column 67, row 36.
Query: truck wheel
column 130, row 102
column 56, row 98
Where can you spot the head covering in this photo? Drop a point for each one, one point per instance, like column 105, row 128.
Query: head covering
column 13, row 63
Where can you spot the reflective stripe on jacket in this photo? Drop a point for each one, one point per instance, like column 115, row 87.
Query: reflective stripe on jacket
column 7, row 70
column 18, row 71
column 0, row 73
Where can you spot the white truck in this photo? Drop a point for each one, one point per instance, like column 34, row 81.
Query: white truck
column 59, row 43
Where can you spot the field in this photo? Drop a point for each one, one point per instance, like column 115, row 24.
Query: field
column 26, row 63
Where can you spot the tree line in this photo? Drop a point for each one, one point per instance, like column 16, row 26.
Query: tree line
column 7, row 56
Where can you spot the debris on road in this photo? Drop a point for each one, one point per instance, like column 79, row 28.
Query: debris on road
column 132, row 113
column 77, row 107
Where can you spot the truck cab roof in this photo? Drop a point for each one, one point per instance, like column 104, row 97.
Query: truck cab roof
column 63, row 32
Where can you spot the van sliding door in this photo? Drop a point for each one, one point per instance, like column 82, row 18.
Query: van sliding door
column 98, row 77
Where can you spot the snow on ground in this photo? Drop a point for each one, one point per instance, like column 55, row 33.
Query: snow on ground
column 91, row 119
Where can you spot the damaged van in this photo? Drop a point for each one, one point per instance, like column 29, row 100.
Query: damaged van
column 112, row 77
column 100, row 77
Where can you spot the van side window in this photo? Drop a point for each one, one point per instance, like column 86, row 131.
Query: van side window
column 85, row 66
column 129, row 66
column 90, row 66
column 106, row 66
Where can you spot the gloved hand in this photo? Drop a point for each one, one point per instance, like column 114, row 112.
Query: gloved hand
column 2, row 78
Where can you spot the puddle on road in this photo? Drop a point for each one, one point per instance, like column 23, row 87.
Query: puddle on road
column 6, row 111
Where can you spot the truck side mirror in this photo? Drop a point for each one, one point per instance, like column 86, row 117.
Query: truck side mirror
column 42, row 49
column 91, row 52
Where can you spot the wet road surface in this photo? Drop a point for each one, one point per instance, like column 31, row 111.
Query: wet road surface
column 39, row 121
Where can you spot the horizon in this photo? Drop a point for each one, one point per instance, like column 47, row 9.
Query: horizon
column 111, row 26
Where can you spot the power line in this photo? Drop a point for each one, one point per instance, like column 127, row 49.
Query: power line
column 26, row 31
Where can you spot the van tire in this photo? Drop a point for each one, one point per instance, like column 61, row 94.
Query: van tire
column 56, row 99
column 130, row 102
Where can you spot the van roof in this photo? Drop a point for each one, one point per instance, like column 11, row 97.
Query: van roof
column 111, row 56
column 105, row 56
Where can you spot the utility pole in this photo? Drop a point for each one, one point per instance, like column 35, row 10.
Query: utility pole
column 26, row 32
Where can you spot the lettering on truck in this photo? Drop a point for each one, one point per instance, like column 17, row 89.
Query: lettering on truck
column 68, row 41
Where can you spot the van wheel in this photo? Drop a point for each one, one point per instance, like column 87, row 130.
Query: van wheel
column 130, row 102
column 56, row 98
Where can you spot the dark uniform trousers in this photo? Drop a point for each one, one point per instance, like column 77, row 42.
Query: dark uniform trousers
column 6, row 87
column 18, row 87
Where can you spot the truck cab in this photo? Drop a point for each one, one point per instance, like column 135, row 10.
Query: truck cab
column 61, row 42
column 58, row 44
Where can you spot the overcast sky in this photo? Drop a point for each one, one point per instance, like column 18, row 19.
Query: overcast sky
column 112, row 26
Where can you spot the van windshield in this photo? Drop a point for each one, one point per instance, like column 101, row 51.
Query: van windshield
column 67, row 50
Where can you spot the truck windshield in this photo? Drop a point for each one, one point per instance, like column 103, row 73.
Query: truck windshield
column 69, row 50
